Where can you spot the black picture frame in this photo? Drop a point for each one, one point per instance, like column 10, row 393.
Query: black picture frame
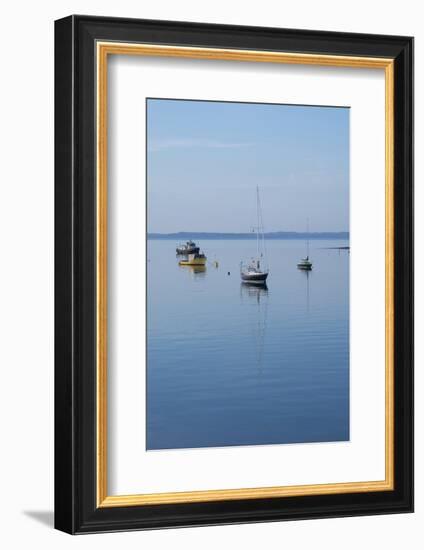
column 76, row 510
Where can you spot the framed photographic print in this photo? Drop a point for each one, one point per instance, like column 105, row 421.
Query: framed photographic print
column 233, row 274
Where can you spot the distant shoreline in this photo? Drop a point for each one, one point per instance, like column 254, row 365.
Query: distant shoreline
column 181, row 236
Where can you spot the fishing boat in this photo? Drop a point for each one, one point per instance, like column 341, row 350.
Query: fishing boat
column 305, row 264
column 188, row 248
column 194, row 260
column 256, row 272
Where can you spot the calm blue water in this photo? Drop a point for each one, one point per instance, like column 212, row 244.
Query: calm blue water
column 230, row 364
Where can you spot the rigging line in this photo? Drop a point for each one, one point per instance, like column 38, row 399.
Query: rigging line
column 262, row 229
column 257, row 215
column 307, row 238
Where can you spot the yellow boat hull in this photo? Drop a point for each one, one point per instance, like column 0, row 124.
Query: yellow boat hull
column 195, row 261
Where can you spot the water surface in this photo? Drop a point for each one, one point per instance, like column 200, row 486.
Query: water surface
column 230, row 364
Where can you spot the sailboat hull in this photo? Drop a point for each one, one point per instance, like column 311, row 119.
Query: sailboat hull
column 254, row 278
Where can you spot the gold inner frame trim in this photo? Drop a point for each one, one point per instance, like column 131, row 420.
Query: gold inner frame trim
column 104, row 49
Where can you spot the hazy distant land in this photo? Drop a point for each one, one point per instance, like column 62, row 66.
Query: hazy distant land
column 185, row 235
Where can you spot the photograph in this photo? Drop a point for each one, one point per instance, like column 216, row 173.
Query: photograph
column 211, row 304
column 233, row 259
column 247, row 267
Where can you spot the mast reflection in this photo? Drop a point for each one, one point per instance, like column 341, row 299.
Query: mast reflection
column 258, row 296
column 307, row 274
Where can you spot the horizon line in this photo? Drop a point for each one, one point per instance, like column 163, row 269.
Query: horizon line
column 245, row 232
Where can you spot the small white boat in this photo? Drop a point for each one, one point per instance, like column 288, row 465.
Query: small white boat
column 305, row 263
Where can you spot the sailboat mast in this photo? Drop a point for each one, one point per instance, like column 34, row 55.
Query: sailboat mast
column 307, row 237
column 257, row 214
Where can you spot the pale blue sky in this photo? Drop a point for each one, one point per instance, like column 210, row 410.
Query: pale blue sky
column 205, row 159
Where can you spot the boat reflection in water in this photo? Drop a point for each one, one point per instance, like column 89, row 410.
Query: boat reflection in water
column 253, row 290
column 258, row 297
column 196, row 271
column 307, row 273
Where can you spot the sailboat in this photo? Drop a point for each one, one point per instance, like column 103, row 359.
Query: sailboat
column 254, row 273
column 305, row 263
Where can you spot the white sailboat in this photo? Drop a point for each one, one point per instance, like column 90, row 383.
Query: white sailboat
column 256, row 272
column 305, row 263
